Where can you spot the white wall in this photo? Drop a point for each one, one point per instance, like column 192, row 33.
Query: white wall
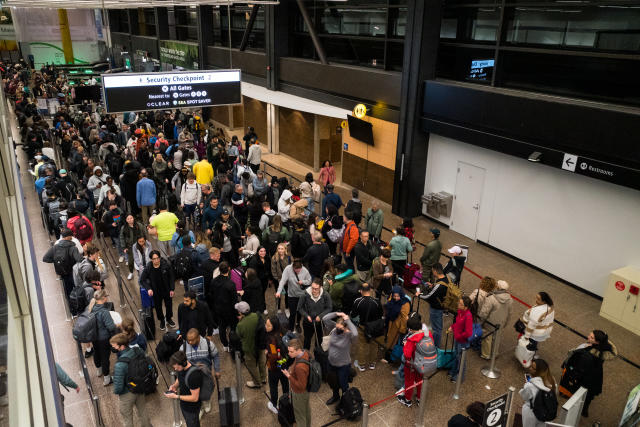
column 574, row 227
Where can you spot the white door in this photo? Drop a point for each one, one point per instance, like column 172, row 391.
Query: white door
column 466, row 200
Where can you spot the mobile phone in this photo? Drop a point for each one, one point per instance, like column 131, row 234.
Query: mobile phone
column 527, row 377
column 169, row 392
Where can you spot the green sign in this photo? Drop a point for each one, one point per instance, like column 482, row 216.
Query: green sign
column 179, row 54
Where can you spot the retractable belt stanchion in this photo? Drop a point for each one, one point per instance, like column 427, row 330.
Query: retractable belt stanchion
column 123, row 304
column 510, row 414
column 463, row 363
column 491, row 371
column 239, row 384
column 423, row 403
column 365, row 415
column 177, row 421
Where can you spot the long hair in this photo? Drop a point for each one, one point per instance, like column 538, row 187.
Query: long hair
column 542, row 371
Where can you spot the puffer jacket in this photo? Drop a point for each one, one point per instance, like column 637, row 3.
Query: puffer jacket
column 496, row 308
column 106, row 327
column 539, row 322
column 121, row 369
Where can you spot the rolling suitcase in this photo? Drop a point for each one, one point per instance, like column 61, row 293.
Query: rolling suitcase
column 412, row 276
column 229, row 406
column 524, row 355
column 447, row 356
column 148, row 323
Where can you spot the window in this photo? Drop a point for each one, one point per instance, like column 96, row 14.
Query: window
column 239, row 19
column 119, row 20
column 582, row 50
column 366, row 33
column 186, row 23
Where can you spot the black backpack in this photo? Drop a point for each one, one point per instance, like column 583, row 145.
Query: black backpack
column 184, row 263
column 142, row 373
column 315, row 375
column 77, row 300
column 170, row 344
column 62, row 261
column 351, row 292
column 286, row 417
column 350, row 405
column 273, row 239
column 545, row 405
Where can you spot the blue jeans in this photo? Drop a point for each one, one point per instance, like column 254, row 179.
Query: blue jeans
column 311, row 206
column 435, row 317
column 456, row 367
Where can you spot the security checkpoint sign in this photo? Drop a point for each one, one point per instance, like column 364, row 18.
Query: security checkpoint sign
column 495, row 412
column 164, row 91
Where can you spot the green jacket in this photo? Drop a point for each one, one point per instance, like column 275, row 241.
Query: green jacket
column 130, row 235
column 64, row 379
column 336, row 291
column 246, row 330
column 374, row 221
column 431, row 254
column 400, row 247
column 121, row 369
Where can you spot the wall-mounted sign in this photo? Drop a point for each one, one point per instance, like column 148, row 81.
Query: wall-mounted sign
column 360, row 111
column 481, row 69
column 157, row 91
column 179, row 54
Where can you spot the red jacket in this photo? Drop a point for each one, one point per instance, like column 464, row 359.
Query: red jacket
column 463, row 326
column 410, row 344
column 351, row 236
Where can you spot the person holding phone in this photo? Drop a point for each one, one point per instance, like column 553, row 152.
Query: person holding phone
column 187, row 393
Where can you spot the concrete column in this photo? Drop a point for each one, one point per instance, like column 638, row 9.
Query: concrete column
column 65, row 35
column 231, row 123
column 273, row 129
column 316, row 143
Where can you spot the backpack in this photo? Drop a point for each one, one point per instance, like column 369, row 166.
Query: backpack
column 350, row 405
column 62, row 262
column 54, row 209
column 77, row 300
column 273, row 239
column 83, row 229
column 425, row 356
column 350, row 292
column 86, row 328
column 184, row 263
column 336, row 234
column 545, row 405
column 452, row 297
column 286, row 417
column 206, row 389
column 315, row 375
column 169, row 344
column 142, row 373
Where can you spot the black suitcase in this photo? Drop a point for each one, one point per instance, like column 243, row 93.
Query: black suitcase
column 286, row 417
column 229, row 407
column 149, row 324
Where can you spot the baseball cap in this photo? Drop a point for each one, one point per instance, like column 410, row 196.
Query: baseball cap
column 66, row 233
column 455, row 250
column 225, row 212
column 435, row 231
column 62, row 171
column 242, row 307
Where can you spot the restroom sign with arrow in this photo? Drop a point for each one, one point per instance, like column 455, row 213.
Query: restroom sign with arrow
column 569, row 162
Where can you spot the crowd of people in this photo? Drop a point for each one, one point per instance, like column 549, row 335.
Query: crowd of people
column 184, row 204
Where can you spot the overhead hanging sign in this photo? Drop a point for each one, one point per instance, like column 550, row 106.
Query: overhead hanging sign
column 157, row 91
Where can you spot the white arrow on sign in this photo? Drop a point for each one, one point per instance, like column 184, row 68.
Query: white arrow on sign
column 569, row 162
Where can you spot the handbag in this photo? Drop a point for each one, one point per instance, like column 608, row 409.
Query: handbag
column 519, row 326
column 374, row 329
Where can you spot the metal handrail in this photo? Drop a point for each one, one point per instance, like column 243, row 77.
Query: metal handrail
column 87, row 379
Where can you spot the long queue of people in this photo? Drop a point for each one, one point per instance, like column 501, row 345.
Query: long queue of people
column 181, row 202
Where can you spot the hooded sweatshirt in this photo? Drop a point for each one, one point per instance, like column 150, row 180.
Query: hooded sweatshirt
column 528, row 394
column 284, row 206
column 94, row 181
column 497, row 307
column 314, row 306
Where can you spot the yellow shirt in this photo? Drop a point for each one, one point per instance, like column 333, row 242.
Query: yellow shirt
column 165, row 224
column 203, row 171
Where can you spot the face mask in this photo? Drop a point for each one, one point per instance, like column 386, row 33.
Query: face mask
column 114, row 350
column 339, row 331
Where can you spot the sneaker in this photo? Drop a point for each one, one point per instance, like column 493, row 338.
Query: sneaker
column 107, row 380
column 383, row 360
column 121, row 259
column 162, row 326
column 130, row 276
column 279, row 311
column 251, row 384
column 226, row 349
column 181, row 282
column 216, row 331
column 88, row 353
column 286, row 311
column 333, row 399
column 400, row 391
column 272, row 408
column 206, row 406
column 403, row 400
column 372, row 366
column 171, row 324
column 266, row 312
column 99, row 371
column 357, row 365
column 200, row 414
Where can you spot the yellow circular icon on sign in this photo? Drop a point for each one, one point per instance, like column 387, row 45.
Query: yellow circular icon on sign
column 343, row 125
column 360, row 111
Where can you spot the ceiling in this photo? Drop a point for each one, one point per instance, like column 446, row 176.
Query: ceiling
column 123, row 4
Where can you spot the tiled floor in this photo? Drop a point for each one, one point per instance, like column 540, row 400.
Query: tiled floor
column 573, row 308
